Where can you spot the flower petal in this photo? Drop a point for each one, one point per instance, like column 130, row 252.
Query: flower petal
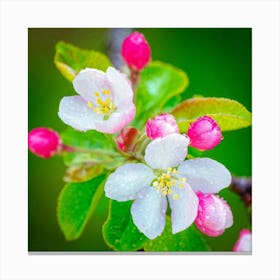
column 116, row 121
column 89, row 81
column 74, row 112
column 121, row 88
column 166, row 152
column 148, row 212
column 184, row 209
column 127, row 180
column 205, row 175
column 244, row 242
column 229, row 217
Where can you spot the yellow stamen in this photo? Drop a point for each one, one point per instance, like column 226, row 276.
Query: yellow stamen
column 99, row 101
column 175, row 171
column 164, row 193
column 168, row 184
column 165, row 181
column 175, row 196
column 155, row 183
column 104, row 107
column 89, row 104
column 106, row 91
column 181, row 186
column 97, row 110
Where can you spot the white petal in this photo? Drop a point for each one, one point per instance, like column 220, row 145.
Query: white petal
column 73, row 111
column 127, row 180
column 148, row 212
column 229, row 217
column 116, row 121
column 166, row 152
column 184, row 209
column 244, row 242
column 205, row 175
column 89, row 81
column 121, row 89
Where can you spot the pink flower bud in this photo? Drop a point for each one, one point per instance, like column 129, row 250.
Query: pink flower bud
column 214, row 214
column 136, row 51
column 44, row 142
column 204, row 133
column 161, row 126
column 126, row 139
column 244, row 242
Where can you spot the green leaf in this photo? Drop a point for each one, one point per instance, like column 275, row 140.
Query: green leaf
column 76, row 202
column 158, row 83
column 188, row 240
column 92, row 139
column 70, row 60
column 92, row 146
column 97, row 148
column 171, row 103
column 82, row 172
column 119, row 231
column 228, row 113
column 80, row 159
column 193, row 152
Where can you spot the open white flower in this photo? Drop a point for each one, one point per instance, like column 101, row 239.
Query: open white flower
column 166, row 175
column 104, row 103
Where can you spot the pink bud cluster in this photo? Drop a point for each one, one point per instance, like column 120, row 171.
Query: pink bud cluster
column 214, row 215
column 204, row 133
column 44, row 142
column 161, row 126
column 136, row 51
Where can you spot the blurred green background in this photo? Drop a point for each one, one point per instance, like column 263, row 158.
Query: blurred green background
column 218, row 63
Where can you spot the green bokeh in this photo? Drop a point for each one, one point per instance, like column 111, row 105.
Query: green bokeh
column 218, row 63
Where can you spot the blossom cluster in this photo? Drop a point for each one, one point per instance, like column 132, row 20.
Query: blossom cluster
column 159, row 174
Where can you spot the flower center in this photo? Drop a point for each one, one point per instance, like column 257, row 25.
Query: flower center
column 165, row 181
column 104, row 104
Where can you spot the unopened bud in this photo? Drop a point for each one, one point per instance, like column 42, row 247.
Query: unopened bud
column 136, row 51
column 214, row 215
column 161, row 126
column 44, row 142
column 204, row 133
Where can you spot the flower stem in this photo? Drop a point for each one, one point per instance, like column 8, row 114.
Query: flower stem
column 139, row 140
column 134, row 77
column 144, row 145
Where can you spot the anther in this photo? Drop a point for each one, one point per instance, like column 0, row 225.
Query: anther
column 89, row 104
column 155, row 183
